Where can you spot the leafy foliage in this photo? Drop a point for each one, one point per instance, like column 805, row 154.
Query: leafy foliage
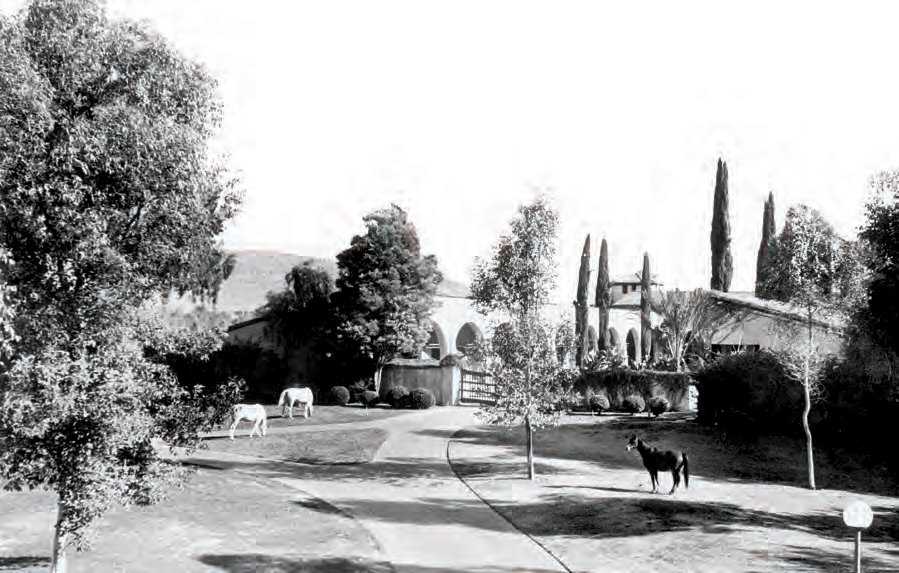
column 688, row 318
column 598, row 403
column 657, row 405
column 385, row 289
column 396, row 395
column 370, row 398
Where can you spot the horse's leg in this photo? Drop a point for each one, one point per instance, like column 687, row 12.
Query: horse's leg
column 305, row 409
column 233, row 427
column 675, row 476
column 655, row 481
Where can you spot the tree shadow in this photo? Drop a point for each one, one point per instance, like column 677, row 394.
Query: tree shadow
column 24, row 563
column 810, row 560
column 253, row 563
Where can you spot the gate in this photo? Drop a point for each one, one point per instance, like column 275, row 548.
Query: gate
column 477, row 387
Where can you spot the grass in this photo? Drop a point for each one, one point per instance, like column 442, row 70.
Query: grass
column 747, row 508
column 310, row 447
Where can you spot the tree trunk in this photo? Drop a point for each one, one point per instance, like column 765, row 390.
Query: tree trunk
column 378, row 379
column 530, row 432
column 58, row 558
column 808, row 406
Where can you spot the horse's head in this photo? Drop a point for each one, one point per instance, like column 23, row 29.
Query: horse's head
column 632, row 443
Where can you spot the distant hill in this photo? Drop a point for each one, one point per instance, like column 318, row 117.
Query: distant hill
column 257, row 273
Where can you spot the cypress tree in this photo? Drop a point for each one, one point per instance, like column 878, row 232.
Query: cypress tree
column 645, row 308
column 603, row 299
column 722, row 261
column 581, row 306
column 768, row 235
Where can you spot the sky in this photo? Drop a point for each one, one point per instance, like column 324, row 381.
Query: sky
column 461, row 111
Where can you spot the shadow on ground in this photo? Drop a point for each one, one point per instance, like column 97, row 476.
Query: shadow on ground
column 809, row 560
column 254, row 563
column 24, row 564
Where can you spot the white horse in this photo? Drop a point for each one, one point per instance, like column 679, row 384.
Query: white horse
column 250, row 413
column 292, row 396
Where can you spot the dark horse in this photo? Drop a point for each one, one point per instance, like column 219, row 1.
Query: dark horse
column 656, row 461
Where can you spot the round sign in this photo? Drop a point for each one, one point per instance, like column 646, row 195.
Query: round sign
column 858, row 514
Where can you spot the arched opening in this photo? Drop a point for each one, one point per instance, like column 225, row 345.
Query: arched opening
column 614, row 340
column 633, row 339
column 591, row 340
column 467, row 337
column 436, row 343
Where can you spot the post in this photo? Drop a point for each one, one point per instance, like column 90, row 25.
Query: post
column 858, row 551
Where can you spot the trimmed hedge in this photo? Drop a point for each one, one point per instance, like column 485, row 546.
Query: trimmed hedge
column 370, row 398
column 598, row 403
column 634, row 404
column 396, row 396
column 619, row 383
column 421, row 399
column 657, row 405
column 339, row 395
column 750, row 388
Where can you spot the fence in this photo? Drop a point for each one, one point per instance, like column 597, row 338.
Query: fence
column 477, row 387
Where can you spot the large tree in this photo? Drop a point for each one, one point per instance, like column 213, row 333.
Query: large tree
column 603, row 299
column 109, row 197
column 805, row 272
column 722, row 261
column 516, row 283
column 385, row 289
column 769, row 233
column 582, row 307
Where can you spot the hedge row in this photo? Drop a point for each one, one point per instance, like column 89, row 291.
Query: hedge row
column 397, row 397
column 619, row 383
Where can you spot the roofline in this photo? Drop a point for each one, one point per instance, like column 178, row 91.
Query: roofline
column 245, row 323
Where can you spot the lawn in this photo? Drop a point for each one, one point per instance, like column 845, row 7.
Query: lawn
column 746, row 509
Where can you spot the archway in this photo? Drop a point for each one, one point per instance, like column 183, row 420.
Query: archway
column 467, row 337
column 614, row 340
column 591, row 339
column 436, row 346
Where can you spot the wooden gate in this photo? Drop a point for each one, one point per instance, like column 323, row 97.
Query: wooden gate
column 477, row 387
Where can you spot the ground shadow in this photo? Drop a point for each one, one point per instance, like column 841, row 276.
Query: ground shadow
column 810, row 560
column 24, row 564
column 610, row 517
column 254, row 563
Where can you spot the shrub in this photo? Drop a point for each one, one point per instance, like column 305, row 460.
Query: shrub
column 657, row 405
column 618, row 383
column 357, row 391
column 370, row 398
column 396, row 396
column 753, row 384
column 421, row 399
column 456, row 360
column 634, row 404
column 340, row 395
column 599, row 403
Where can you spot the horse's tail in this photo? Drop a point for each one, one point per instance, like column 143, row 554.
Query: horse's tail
column 686, row 472
column 281, row 400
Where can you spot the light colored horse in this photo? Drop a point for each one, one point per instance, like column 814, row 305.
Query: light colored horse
column 292, row 396
column 250, row 413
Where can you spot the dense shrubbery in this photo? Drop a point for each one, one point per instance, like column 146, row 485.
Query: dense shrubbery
column 263, row 369
column 657, row 405
column 750, row 386
column 456, row 360
column 634, row 404
column 370, row 398
column 421, row 399
column 339, row 395
column 618, row 383
column 357, row 391
column 396, row 396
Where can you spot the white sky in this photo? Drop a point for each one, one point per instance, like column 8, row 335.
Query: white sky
column 457, row 110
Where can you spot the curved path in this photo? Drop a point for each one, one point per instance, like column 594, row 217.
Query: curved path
column 424, row 518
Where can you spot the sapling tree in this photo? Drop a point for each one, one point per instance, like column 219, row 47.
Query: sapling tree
column 532, row 387
column 110, row 198
column 688, row 317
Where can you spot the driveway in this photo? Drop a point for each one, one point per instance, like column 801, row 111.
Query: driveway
column 422, row 517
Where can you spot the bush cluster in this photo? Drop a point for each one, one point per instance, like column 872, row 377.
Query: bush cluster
column 634, row 404
column 618, row 383
column 339, row 395
column 598, row 403
column 421, row 399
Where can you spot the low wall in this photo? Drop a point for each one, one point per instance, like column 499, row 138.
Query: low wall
column 443, row 381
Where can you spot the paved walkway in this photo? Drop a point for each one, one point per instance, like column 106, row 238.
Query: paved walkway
column 423, row 517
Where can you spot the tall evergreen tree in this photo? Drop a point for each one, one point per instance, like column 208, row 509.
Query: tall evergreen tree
column 603, row 295
column 722, row 261
column 769, row 233
column 581, row 307
column 645, row 309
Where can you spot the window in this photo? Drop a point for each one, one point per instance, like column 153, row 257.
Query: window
column 623, row 289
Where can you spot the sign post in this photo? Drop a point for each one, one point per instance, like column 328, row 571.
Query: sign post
column 858, row 515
